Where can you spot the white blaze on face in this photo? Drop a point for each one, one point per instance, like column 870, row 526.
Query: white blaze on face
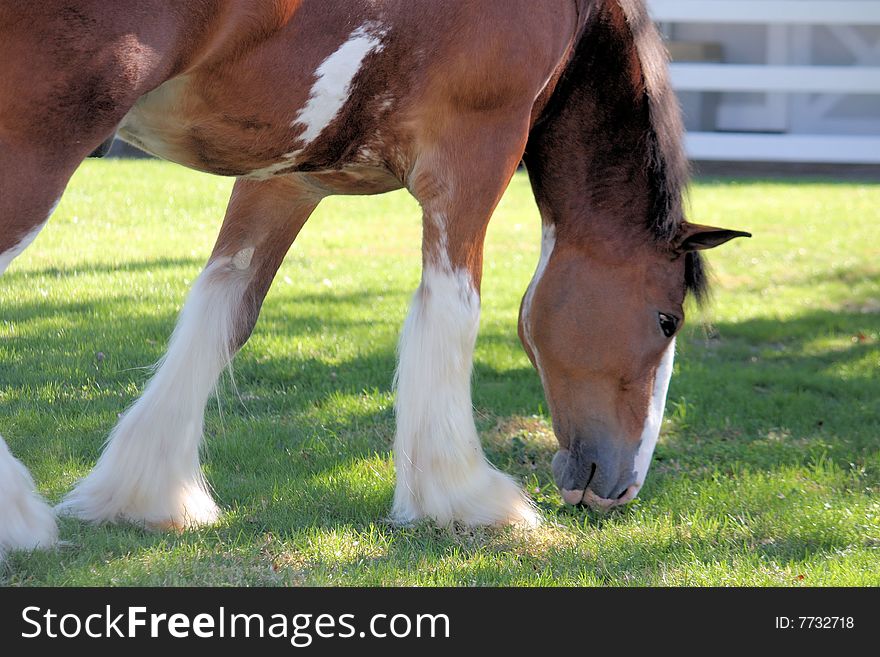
column 651, row 430
column 333, row 82
column 548, row 243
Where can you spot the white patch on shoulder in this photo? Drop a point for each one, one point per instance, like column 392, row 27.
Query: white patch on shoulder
column 548, row 243
column 333, row 80
column 651, row 430
column 329, row 93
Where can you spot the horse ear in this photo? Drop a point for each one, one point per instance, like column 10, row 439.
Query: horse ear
column 694, row 237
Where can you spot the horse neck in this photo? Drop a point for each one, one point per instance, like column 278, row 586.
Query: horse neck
column 605, row 161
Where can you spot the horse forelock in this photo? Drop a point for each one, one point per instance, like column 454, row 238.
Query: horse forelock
column 667, row 163
column 615, row 85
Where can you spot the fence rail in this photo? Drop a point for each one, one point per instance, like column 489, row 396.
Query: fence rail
column 717, row 77
column 794, row 79
column 767, row 12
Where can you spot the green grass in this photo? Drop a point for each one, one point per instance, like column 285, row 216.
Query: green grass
column 767, row 471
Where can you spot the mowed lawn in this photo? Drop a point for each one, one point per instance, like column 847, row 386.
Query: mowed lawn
column 767, row 471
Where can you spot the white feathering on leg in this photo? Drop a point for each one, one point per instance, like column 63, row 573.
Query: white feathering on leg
column 441, row 470
column 26, row 521
column 149, row 471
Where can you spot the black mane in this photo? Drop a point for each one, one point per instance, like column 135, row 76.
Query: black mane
column 612, row 103
column 668, row 168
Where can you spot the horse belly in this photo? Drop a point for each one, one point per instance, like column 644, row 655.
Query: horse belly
column 174, row 123
column 155, row 125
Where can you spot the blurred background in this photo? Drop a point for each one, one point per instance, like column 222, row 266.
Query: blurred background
column 777, row 81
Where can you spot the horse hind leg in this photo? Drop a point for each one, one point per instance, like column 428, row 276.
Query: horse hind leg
column 149, row 472
column 26, row 521
column 29, row 192
column 442, row 472
column 46, row 132
column 33, row 176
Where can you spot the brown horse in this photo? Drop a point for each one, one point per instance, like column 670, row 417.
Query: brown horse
column 301, row 99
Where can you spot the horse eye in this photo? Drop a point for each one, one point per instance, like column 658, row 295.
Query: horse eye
column 668, row 324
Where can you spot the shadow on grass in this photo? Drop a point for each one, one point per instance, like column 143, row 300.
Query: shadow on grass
column 129, row 266
column 762, row 395
column 865, row 279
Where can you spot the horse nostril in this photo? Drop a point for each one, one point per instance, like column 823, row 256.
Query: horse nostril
column 593, row 467
column 624, row 492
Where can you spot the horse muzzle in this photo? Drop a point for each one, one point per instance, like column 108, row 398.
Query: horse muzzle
column 597, row 473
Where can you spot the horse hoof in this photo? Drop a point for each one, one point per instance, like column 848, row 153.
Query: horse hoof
column 488, row 497
column 186, row 508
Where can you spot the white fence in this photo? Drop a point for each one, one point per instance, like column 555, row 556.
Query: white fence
column 776, row 79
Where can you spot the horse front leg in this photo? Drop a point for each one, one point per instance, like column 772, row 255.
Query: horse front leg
column 442, row 472
column 149, row 471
